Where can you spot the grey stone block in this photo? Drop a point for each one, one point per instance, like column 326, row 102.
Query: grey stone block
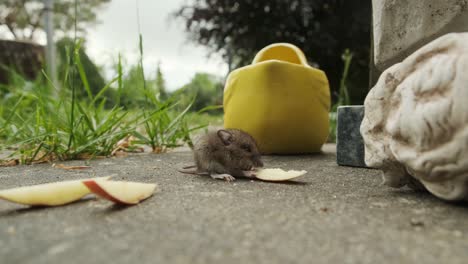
column 349, row 142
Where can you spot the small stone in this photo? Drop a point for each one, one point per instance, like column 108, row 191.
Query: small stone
column 324, row 209
column 349, row 142
column 416, row 222
column 11, row 230
column 457, row 233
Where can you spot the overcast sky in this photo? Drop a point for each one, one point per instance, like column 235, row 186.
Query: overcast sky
column 164, row 40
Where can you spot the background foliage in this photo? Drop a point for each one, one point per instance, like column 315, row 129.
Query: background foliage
column 92, row 71
column 207, row 90
column 23, row 19
column 323, row 29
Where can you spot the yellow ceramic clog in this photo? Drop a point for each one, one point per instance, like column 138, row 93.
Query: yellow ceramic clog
column 280, row 100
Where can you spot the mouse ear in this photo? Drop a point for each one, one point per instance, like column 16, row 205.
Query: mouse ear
column 225, row 136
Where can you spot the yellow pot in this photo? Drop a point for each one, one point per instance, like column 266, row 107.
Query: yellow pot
column 280, row 100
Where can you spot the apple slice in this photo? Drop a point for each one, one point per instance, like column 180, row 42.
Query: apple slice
column 121, row 192
column 278, row 174
column 48, row 194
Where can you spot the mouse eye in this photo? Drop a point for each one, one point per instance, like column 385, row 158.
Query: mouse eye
column 246, row 148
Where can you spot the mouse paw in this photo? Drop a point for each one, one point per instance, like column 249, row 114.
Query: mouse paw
column 225, row 177
column 249, row 174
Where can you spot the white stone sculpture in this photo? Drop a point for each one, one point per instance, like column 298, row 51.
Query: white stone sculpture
column 415, row 126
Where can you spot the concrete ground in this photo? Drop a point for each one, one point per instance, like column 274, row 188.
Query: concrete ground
column 331, row 215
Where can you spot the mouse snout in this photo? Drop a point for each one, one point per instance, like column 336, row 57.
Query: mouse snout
column 257, row 161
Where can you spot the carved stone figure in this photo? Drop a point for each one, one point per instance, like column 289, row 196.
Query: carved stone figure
column 415, row 126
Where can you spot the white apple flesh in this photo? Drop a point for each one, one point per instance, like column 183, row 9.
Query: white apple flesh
column 278, row 174
column 48, row 194
column 121, row 192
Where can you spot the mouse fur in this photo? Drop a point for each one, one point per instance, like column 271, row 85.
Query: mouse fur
column 225, row 154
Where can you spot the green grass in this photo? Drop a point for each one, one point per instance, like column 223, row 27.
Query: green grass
column 163, row 128
column 42, row 122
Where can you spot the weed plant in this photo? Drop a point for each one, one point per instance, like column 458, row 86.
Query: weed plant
column 42, row 121
column 343, row 95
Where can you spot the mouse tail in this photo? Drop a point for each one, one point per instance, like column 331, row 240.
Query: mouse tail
column 192, row 169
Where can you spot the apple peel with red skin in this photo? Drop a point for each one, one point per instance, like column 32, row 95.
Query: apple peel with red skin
column 121, row 192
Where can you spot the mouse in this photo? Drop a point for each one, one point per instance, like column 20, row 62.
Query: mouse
column 225, row 154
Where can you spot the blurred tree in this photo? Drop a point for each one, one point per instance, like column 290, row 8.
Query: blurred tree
column 22, row 19
column 96, row 82
column 323, row 29
column 132, row 94
column 207, row 88
column 160, row 83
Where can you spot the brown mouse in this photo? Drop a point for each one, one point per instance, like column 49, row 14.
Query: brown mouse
column 225, row 154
